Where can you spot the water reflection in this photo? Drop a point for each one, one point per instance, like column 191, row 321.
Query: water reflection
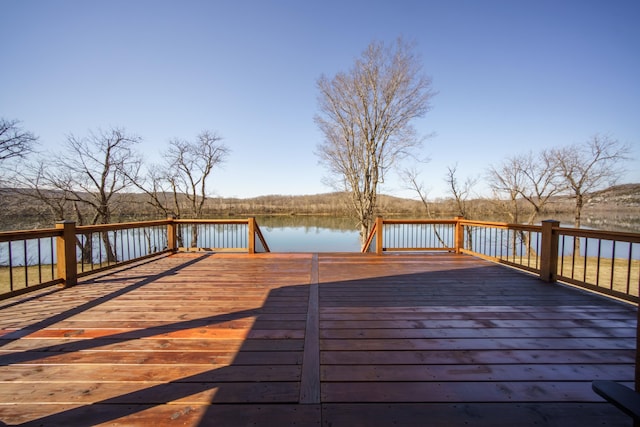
column 310, row 233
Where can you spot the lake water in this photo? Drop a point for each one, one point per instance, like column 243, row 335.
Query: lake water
column 337, row 234
column 310, row 234
column 293, row 233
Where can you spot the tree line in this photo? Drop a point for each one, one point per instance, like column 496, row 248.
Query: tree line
column 85, row 179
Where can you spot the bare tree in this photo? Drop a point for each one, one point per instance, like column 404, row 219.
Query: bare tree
column 157, row 186
column 14, row 141
column 590, row 166
column 97, row 167
column 506, row 180
column 541, row 181
column 460, row 192
column 192, row 163
column 410, row 176
column 532, row 178
column 90, row 172
column 365, row 117
column 42, row 181
column 184, row 176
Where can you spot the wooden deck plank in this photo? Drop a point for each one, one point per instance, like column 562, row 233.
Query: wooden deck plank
column 475, row 372
column 191, row 415
column 474, row 323
column 470, row 414
column 174, row 392
column 228, row 339
column 392, row 357
column 581, row 332
column 152, row 357
column 88, row 373
column 470, row 392
column 399, row 344
column 156, row 344
column 310, row 381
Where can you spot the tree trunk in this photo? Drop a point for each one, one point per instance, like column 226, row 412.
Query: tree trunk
column 194, row 236
column 578, row 211
column 365, row 229
column 109, row 248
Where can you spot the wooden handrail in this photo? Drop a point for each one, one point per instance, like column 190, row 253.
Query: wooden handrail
column 541, row 243
column 7, row 236
column 120, row 226
column 420, row 221
column 600, row 234
column 210, row 221
column 503, row 225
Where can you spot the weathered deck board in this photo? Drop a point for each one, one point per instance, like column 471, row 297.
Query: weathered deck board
column 313, row 339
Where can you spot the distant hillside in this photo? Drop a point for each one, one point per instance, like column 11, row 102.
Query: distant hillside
column 21, row 209
column 619, row 196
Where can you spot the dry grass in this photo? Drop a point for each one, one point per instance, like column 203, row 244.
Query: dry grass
column 23, row 278
column 34, row 275
column 618, row 274
column 625, row 279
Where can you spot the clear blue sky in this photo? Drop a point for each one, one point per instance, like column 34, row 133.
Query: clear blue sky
column 512, row 76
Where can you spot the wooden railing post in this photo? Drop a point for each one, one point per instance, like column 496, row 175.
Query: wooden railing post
column 379, row 228
column 66, row 253
column 252, row 235
column 172, row 234
column 549, row 251
column 459, row 234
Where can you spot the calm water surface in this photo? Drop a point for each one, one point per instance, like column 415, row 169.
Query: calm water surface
column 337, row 234
column 310, row 234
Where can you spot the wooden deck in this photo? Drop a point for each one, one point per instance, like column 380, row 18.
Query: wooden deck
column 313, row 339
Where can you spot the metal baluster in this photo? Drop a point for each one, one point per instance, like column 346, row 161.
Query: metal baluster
column 613, row 261
column 10, row 266
column 26, row 263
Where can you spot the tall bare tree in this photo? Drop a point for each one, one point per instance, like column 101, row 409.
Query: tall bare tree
column 84, row 176
column 541, row 181
column 590, row 166
column 533, row 178
column 42, row 181
column 14, row 141
column 459, row 191
column 95, row 168
column 191, row 165
column 179, row 186
column 506, row 180
column 365, row 117
column 410, row 177
column 89, row 174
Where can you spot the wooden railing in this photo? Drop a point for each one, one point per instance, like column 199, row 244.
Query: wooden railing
column 602, row 261
column 31, row 260
column 28, row 260
column 412, row 235
column 606, row 262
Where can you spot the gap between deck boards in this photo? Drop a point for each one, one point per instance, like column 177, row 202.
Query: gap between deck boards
column 310, row 378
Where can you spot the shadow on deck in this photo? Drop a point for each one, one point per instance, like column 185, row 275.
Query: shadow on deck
column 313, row 339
